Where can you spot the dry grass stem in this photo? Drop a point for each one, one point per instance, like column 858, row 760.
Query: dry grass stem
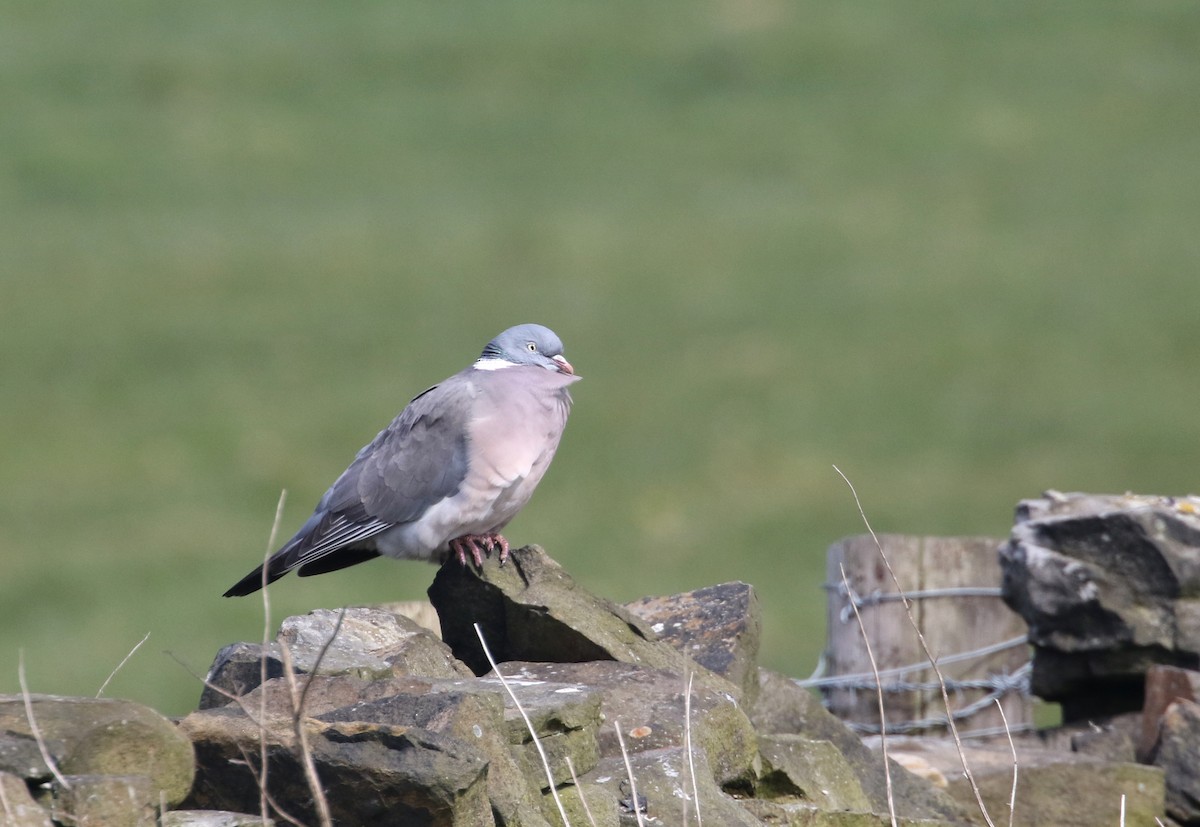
column 124, row 661
column 259, row 777
column 33, row 727
column 887, row 766
column 579, row 791
column 224, row 693
column 297, row 698
column 263, row 801
column 687, row 743
column 279, row 811
column 11, row 818
column 1012, row 799
column 633, row 793
column 962, row 756
column 528, row 725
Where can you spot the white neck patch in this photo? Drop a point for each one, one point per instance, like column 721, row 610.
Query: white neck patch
column 493, row 363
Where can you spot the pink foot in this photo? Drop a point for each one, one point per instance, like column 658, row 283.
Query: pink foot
column 479, row 546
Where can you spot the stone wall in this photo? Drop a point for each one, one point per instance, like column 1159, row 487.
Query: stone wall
column 654, row 712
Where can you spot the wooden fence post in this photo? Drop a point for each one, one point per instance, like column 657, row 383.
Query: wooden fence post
column 953, row 586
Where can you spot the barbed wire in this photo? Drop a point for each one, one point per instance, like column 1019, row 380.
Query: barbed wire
column 844, row 681
column 996, row 685
column 878, row 597
column 1000, row 685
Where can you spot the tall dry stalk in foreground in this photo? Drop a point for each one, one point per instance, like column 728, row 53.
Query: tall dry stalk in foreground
column 528, row 725
column 263, row 801
column 941, row 680
column 887, row 766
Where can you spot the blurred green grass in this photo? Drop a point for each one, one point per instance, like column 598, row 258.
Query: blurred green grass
column 950, row 248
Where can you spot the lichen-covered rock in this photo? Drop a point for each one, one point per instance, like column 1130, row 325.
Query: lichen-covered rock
column 1063, row 789
column 718, row 627
column 97, row 736
column 588, row 803
column 531, row 609
column 783, row 707
column 803, row 814
column 566, row 720
column 650, row 705
column 664, row 787
column 104, row 801
column 815, row 771
column 480, row 712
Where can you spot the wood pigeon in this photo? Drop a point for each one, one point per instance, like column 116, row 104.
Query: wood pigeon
column 450, row 471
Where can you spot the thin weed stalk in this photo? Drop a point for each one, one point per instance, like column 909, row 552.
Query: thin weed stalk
column 633, row 793
column 528, row 725
column 11, row 817
column 579, row 791
column 962, row 756
column 1012, row 799
column 263, row 797
column 887, row 764
column 687, row 742
column 124, row 661
column 298, row 697
column 262, row 729
column 33, row 726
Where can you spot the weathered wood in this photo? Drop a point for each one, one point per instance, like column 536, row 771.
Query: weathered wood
column 950, row 625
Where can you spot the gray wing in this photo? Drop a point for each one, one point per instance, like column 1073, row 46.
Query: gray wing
column 416, row 461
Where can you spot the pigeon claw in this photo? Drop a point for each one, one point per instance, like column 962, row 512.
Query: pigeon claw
column 479, row 546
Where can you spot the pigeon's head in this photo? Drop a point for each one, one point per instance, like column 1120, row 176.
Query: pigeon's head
column 526, row 344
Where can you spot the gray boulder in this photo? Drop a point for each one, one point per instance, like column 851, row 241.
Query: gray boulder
column 371, row 643
column 1109, row 585
column 237, row 669
column 372, row 774
column 476, row 713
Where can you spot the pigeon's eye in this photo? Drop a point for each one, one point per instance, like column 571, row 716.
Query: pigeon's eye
column 531, row 347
